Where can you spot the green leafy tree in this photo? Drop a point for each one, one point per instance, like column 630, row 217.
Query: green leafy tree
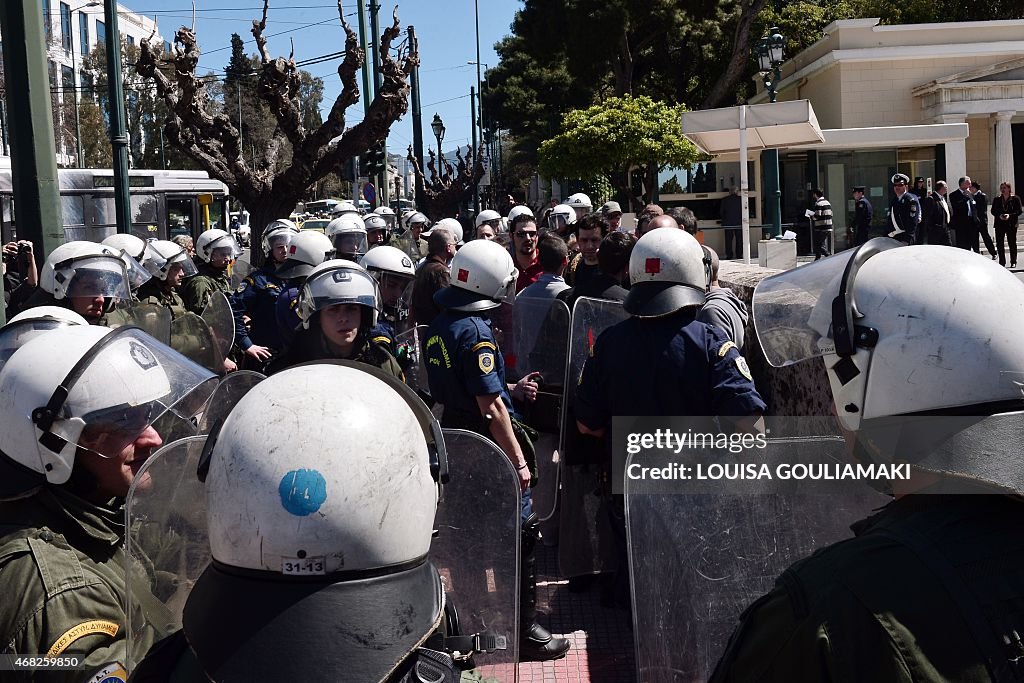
column 616, row 138
column 671, row 186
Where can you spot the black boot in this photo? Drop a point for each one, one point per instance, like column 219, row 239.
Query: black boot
column 535, row 642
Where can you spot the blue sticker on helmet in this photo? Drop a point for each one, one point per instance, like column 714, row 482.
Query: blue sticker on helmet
column 303, row 492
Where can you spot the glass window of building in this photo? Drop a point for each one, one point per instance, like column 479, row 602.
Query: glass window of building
column 67, row 80
column 83, row 33
column 65, row 26
column 47, row 22
column 101, row 33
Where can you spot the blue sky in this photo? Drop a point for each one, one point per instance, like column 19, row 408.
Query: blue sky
column 445, row 29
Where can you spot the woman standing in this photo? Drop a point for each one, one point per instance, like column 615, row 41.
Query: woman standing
column 1006, row 208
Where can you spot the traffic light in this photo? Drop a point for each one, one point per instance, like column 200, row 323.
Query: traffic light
column 373, row 161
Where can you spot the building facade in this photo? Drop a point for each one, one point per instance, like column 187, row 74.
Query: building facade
column 72, row 30
column 937, row 101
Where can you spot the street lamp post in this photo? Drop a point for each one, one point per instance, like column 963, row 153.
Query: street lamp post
column 769, row 52
column 437, row 125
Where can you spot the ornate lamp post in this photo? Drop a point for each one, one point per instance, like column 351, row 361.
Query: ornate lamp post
column 769, row 52
column 437, row 125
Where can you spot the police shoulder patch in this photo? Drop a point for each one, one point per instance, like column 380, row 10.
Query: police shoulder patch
column 114, row 672
column 242, row 287
column 486, row 362
column 741, row 365
column 86, row 628
column 724, row 349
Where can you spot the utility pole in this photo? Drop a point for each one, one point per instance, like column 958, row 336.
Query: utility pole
column 33, row 152
column 382, row 182
column 476, row 151
column 367, row 91
column 417, row 120
column 118, row 132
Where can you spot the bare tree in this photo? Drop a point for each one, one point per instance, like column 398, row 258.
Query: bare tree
column 270, row 189
column 451, row 186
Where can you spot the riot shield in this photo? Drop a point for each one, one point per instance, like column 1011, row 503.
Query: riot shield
column 153, row 319
column 166, row 542
column 239, row 270
column 409, row 345
column 228, row 392
column 191, row 336
column 697, row 560
column 408, row 244
column 541, row 334
column 476, row 549
column 586, row 541
column 220, row 318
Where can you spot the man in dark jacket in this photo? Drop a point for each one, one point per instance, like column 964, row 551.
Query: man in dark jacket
column 934, row 226
column 981, row 202
column 964, row 218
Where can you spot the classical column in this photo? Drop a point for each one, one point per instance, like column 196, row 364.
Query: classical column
column 956, row 153
column 1004, row 150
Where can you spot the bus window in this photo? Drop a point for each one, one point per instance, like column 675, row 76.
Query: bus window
column 179, row 217
column 8, row 230
column 72, row 210
column 145, row 215
column 217, row 213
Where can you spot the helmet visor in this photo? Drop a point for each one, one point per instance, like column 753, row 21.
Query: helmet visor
column 94, row 276
column 343, row 286
column 224, row 242
column 392, row 286
column 137, row 275
column 282, row 238
column 127, row 384
column 350, row 243
column 557, row 221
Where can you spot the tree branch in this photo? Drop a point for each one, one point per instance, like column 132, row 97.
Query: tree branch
column 740, row 55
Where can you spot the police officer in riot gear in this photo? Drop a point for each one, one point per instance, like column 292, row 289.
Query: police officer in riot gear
column 257, row 295
column 78, row 407
column 216, row 250
column 920, row 359
column 348, row 234
column 682, row 366
column 169, row 264
column 394, row 273
column 320, row 569
column 338, row 304
column 307, row 250
column 467, row 375
column 85, row 277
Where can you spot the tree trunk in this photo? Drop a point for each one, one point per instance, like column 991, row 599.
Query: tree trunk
column 262, row 210
column 740, row 55
column 624, row 185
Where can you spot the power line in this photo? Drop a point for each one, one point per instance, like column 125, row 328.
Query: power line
column 450, row 99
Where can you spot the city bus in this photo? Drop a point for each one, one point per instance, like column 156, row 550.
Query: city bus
column 164, row 204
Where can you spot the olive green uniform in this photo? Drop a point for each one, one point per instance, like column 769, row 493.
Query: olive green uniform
column 197, row 290
column 62, row 578
column 153, row 292
column 897, row 602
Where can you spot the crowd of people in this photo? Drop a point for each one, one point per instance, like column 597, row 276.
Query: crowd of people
column 121, row 347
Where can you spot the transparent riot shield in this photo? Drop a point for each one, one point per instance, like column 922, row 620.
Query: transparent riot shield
column 220, row 318
column 476, row 549
column 586, row 542
column 541, row 334
column 232, row 388
column 409, row 345
column 192, row 337
column 407, row 243
column 166, row 542
column 153, row 319
column 239, row 270
column 697, row 560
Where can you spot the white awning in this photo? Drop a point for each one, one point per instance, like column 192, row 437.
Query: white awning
column 779, row 124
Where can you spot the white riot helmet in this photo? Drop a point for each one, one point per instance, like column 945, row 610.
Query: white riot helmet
column 99, row 393
column 278, row 232
column 490, row 216
column 135, row 246
column 137, row 274
column 483, row 276
column 348, row 235
column 340, row 527
column 345, row 208
column 307, row 250
column 394, row 273
column 215, row 239
column 516, row 211
column 378, row 230
column 580, row 202
column 388, row 214
column 339, row 281
column 162, row 254
column 85, row 269
column 30, row 323
column 561, row 217
column 452, row 226
column 417, row 218
column 908, row 333
column 668, row 270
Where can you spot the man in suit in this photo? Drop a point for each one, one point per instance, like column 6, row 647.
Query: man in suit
column 935, row 215
column 964, row 220
column 981, row 202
